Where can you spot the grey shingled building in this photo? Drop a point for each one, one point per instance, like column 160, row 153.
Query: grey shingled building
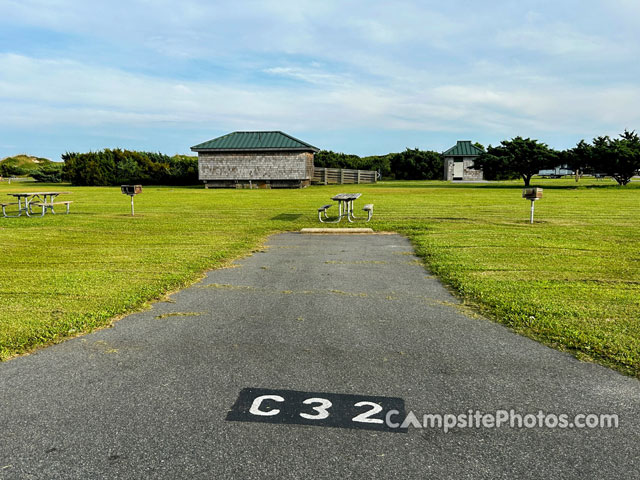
column 255, row 160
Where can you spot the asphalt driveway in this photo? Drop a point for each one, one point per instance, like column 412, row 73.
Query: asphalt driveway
column 302, row 362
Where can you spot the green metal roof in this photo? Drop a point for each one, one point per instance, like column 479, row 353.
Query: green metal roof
column 463, row 148
column 255, row 141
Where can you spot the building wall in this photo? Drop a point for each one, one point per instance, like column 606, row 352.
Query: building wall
column 257, row 166
column 468, row 172
column 448, row 168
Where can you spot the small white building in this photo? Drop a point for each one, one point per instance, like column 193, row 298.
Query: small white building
column 459, row 160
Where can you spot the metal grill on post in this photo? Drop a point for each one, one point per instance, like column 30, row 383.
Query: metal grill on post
column 532, row 194
column 132, row 191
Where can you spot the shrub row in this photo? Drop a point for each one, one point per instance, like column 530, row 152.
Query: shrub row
column 116, row 167
column 50, row 173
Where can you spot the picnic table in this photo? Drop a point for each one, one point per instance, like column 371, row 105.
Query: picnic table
column 26, row 202
column 345, row 208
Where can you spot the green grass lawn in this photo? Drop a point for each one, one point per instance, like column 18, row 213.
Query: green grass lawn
column 571, row 280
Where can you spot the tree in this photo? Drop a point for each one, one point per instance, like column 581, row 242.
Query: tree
column 619, row 158
column 380, row 163
column 127, row 171
column 330, row 159
column 415, row 164
column 494, row 167
column 519, row 156
column 578, row 159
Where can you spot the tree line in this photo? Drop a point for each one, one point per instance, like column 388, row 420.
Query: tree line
column 117, row 167
column 412, row 164
column 618, row 158
column 519, row 157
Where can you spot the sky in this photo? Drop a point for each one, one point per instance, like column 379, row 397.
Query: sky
column 363, row 77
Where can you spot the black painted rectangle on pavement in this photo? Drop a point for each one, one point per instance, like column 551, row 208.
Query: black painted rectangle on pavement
column 318, row 409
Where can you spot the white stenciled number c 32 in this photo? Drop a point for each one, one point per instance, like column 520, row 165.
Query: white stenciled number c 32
column 321, row 409
column 255, row 406
column 365, row 417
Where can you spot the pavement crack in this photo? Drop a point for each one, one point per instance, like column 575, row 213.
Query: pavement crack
column 180, row 314
column 380, row 295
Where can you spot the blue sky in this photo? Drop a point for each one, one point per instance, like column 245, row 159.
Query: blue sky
column 362, row 77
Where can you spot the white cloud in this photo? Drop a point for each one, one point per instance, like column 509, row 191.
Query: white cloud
column 44, row 92
column 553, row 39
column 407, row 65
column 314, row 75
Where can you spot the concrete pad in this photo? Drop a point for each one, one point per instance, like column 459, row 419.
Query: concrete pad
column 336, row 230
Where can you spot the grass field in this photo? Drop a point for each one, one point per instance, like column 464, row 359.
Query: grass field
column 571, row 280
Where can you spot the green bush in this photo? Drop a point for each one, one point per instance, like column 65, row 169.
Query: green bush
column 415, row 164
column 412, row 164
column 8, row 170
column 48, row 173
column 116, row 167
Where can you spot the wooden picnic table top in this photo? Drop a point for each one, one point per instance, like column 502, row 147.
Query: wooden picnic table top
column 346, row 196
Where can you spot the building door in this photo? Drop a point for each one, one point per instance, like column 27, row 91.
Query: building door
column 458, row 170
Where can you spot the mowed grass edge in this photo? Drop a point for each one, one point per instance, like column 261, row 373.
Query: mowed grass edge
column 571, row 280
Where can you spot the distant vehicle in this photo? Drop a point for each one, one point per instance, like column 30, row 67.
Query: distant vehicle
column 557, row 172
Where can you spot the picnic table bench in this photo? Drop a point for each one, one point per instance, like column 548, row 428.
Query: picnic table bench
column 4, row 207
column 369, row 209
column 50, row 206
column 323, row 210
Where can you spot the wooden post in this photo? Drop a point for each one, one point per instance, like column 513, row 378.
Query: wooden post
column 325, row 176
column 358, row 176
column 341, row 176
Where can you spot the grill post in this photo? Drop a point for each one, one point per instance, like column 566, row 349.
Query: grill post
column 132, row 191
column 532, row 194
